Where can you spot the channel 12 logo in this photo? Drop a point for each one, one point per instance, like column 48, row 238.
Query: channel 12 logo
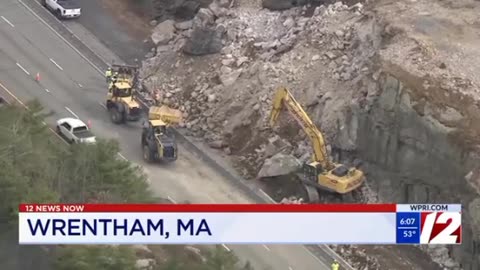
column 441, row 228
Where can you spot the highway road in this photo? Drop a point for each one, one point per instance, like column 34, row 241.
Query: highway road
column 70, row 86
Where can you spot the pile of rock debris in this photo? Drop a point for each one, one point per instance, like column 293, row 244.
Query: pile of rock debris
column 222, row 67
column 292, row 200
column 246, row 54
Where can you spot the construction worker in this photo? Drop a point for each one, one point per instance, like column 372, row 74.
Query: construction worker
column 114, row 78
column 108, row 74
column 335, row 265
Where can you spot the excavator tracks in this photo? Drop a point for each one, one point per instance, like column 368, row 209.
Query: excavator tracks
column 315, row 195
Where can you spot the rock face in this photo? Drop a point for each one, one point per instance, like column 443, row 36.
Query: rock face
column 279, row 164
column 415, row 160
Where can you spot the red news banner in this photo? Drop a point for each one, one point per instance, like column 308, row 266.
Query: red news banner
column 239, row 224
column 212, row 208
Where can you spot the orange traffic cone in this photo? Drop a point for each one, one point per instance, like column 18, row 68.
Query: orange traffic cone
column 37, row 77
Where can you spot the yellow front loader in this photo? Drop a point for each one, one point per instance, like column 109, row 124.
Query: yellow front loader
column 121, row 103
column 158, row 140
column 321, row 173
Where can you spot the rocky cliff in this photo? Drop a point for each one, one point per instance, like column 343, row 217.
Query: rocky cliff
column 411, row 157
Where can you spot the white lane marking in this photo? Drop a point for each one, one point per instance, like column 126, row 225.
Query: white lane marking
column 12, row 95
column 267, row 248
column 103, row 105
column 171, row 200
column 290, row 268
column 124, row 158
column 70, row 111
column 267, row 196
column 7, row 21
column 24, row 70
column 81, row 86
column 55, row 63
column 46, row 90
column 225, row 247
column 62, row 38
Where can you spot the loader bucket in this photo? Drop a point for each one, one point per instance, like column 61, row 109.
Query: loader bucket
column 166, row 114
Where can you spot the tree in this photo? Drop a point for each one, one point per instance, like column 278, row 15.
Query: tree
column 27, row 159
column 95, row 258
column 94, row 173
column 35, row 167
column 220, row 259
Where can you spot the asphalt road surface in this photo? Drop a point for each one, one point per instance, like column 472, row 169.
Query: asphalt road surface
column 71, row 87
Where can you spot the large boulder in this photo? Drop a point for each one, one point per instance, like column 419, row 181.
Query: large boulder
column 163, row 32
column 279, row 164
column 185, row 25
column 203, row 41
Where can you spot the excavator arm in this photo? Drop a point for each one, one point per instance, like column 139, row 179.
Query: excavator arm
column 284, row 98
column 332, row 177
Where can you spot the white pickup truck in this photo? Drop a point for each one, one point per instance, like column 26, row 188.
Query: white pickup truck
column 75, row 131
column 63, row 9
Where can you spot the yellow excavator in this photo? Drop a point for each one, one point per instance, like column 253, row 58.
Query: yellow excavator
column 158, row 140
column 321, row 173
column 121, row 103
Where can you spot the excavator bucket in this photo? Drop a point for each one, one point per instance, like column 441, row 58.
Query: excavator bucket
column 165, row 114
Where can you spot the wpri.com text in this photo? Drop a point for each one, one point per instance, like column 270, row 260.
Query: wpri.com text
column 429, row 207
